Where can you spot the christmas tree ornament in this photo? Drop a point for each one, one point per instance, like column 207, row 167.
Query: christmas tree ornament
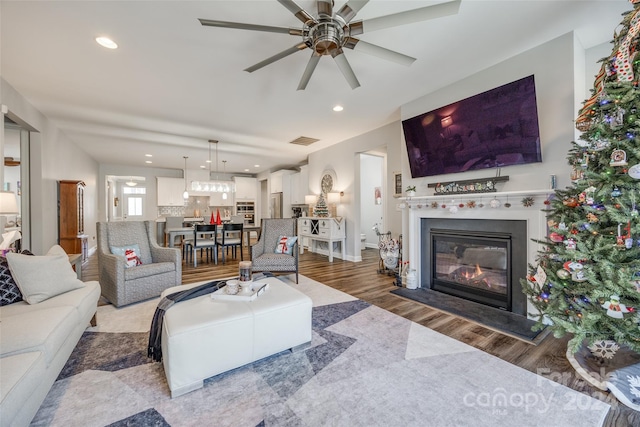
column 434, row 205
column 570, row 202
column 563, row 274
column 527, row 202
column 591, row 217
column 453, row 209
column 471, row 204
column 618, row 158
column 614, row 308
column 555, row 237
column 634, row 171
column 616, row 192
column 495, row 203
column 570, row 244
column 600, row 145
column 578, row 276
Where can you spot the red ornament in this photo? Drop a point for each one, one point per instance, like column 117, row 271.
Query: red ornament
column 443, row 206
column 574, row 231
column 461, row 205
column 555, row 237
column 547, row 202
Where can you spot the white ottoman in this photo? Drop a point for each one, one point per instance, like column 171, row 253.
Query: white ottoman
column 203, row 337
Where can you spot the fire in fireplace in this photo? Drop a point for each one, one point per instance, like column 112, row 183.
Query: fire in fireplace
column 476, row 259
column 472, row 265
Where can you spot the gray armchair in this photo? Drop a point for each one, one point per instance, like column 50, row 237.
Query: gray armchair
column 263, row 256
column 161, row 267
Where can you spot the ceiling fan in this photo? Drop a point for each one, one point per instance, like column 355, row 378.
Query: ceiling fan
column 328, row 33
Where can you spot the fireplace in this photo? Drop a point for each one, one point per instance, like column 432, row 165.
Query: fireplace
column 476, row 259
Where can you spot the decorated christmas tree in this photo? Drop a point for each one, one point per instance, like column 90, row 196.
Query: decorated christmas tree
column 587, row 278
column 321, row 208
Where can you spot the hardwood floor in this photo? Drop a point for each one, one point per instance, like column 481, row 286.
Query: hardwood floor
column 362, row 281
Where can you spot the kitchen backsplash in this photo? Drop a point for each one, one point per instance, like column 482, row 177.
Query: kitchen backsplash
column 196, row 206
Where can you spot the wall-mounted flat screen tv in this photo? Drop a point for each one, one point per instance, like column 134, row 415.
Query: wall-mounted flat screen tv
column 493, row 129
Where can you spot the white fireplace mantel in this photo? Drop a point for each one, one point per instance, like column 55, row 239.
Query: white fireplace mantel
column 416, row 208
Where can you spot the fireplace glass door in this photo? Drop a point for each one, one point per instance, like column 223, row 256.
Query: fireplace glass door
column 474, row 267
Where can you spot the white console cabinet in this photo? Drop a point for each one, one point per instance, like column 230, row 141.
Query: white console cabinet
column 322, row 230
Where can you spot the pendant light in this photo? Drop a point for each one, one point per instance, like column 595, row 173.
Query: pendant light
column 131, row 182
column 185, row 195
column 224, row 194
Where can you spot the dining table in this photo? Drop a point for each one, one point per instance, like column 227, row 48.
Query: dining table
column 172, row 233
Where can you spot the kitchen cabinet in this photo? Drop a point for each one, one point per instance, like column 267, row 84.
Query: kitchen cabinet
column 215, row 199
column 246, row 188
column 170, row 191
column 299, row 186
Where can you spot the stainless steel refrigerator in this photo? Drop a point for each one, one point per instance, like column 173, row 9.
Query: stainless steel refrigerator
column 276, row 205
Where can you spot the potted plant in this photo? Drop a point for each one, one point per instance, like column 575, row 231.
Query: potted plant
column 411, row 190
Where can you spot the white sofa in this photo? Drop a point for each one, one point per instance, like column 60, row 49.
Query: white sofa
column 36, row 341
column 202, row 337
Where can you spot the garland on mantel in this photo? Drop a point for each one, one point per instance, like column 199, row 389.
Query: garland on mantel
column 497, row 201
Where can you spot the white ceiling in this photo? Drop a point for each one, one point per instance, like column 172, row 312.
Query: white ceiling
column 173, row 84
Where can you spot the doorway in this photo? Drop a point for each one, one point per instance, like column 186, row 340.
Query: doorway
column 16, row 177
column 373, row 196
column 126, row 197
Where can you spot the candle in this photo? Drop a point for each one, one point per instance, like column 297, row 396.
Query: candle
column 245, row 271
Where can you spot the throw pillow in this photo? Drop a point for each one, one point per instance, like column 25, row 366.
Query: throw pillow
column 42, row 277
column 285, row 245
column 9, row 291
column 131, row 253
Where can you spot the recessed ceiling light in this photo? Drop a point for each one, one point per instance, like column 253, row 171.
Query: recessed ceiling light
column 338, row 108
column 148, row 161
column 208, row 161
column 148, row 155
column 256, row 166
column 106, row 42
column 203, row 167
column 246, row 170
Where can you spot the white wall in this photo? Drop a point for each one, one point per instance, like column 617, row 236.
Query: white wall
column 343, row 158
column 552, row 65
column 53, row 157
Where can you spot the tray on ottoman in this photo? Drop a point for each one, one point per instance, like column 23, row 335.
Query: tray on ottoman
column 258, row 288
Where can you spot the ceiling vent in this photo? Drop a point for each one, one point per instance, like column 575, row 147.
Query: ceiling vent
column 304, row 140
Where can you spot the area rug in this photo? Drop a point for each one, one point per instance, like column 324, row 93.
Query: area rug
column 499, row 320
column 365, row 367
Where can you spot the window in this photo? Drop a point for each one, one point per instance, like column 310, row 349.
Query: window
column 134, row 206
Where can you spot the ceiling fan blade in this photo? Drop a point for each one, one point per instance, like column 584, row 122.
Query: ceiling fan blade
column 277, row 56
column 325, row 8
column 299, row 12
column 350, row 9
column 345, row 68
column 407, row 17
column 243, row 26
column 379, row 51
column 311, row 66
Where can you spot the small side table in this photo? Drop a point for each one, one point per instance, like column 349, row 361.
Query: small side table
column 76, row 261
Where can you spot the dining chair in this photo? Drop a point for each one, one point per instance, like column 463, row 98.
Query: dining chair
column 203, row 239
column 231, row 237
